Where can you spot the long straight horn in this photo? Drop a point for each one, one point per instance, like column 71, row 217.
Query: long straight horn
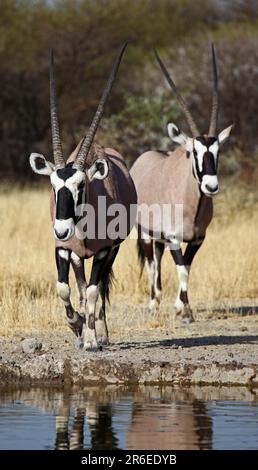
column 88, row 139
column 56, row 140
column 191, row 123
column 215, row 98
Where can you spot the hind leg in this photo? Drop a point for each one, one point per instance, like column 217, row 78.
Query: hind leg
column 153, row 252
column 158, row 253
column 106, row 276
column 148, row 256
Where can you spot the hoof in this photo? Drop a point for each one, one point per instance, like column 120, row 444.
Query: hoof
column 187, row 320
column 101, row 332
column 185, row 315
column 89, row 347
column 103, row 341
column 153, row 306
column 77, row 325
column 79, row 343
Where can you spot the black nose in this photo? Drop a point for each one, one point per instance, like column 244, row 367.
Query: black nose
column 61, row 236
column 211, row 189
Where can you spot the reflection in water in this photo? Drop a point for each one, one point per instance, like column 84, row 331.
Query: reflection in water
column 102, row 435
column 120, row 417
column 172, row 426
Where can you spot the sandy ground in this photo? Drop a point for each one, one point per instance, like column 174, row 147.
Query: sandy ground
column 220, row 350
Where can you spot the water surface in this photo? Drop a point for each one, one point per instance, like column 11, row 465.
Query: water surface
column 126, row 418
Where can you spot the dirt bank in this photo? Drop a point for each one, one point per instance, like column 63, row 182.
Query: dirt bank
column 215, row 351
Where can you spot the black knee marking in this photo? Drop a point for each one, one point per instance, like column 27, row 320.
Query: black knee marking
column 69, row 311
column 177, row 256
column 159, row 250
column 148, row 251
column 102, row 313
column 191, row 251
column 63, row 266
column 184, row 297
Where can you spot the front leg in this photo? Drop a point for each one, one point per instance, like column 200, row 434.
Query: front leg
column 89, row 332
column 63, row 259
column 182, row 303
column 78, row 267
column 183, row 264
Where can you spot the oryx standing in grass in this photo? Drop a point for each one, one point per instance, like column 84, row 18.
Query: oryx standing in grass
column 99, row 178
column 186, row 177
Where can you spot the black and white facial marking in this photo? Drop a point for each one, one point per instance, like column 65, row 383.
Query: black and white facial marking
column 204, row 152
column 69, row 185
column 205, row 163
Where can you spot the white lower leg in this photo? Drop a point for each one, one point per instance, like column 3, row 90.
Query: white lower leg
column 183, row 276
column 74, row 319
column 82, row 287
column 89, row 335
column 78, row 266
column 101, row 326
column 150, row 266
column 63, row 290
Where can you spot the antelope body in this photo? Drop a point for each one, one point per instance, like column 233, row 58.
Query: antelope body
column 90, row 173
column 186, row 176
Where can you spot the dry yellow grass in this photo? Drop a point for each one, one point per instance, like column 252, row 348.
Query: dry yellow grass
column 224, row 272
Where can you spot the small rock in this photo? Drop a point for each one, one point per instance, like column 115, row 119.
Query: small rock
column 230, row 354
column 31, row 345
column 244, row 328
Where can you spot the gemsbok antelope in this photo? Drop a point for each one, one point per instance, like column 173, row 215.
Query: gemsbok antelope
column 98, row 179
column 185, row 177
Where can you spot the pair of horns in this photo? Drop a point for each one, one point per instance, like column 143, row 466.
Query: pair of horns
column 80, row 161
column 214, row 110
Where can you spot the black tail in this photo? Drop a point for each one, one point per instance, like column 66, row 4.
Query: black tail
column 107, row 275
column 140, row 251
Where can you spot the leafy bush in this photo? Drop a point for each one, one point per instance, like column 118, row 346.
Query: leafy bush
column 141, row 125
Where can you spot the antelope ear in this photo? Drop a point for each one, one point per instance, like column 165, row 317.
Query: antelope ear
column 224, row 135
column 40, row 165
column 179, row 137
column 176, row 135
column 98, row 170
